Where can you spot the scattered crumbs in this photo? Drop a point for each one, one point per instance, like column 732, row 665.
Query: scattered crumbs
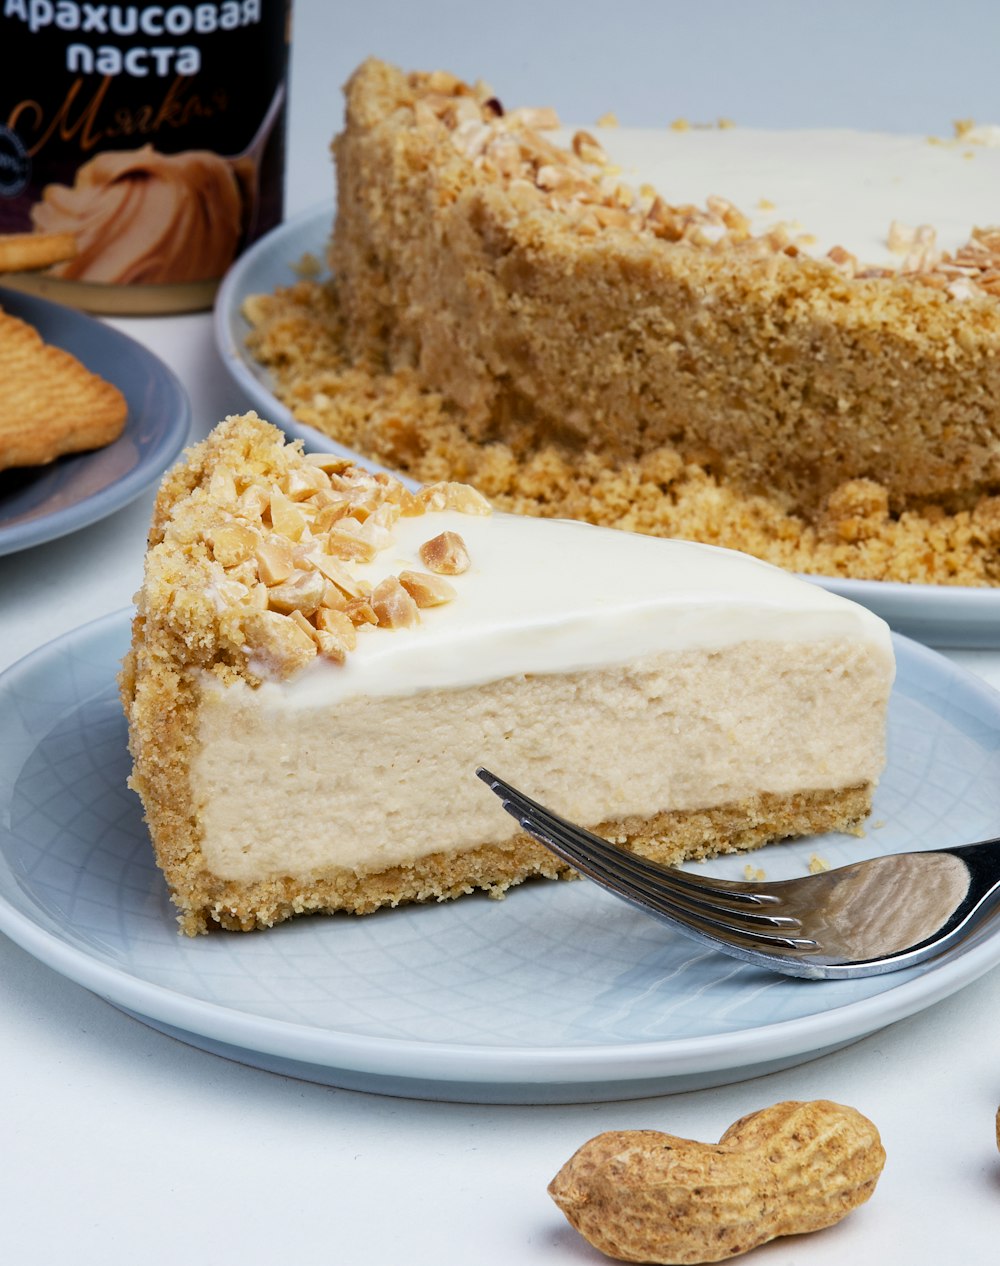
column 817, row 864
column 752, row 873
column 969, row 153
column 877, row 826
column 308, row 266
column 608, row 120
column 685, row 125
column 765, row 204
column 967, row 132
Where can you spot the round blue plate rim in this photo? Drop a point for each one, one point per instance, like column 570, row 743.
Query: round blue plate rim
column 616, row 1063
column 158, row 422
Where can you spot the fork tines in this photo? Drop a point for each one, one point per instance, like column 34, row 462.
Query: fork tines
column 709, row 904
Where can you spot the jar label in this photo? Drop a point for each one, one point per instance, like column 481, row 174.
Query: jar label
column 154, row 133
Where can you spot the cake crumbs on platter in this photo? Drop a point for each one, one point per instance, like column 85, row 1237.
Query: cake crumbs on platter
column 753, row 873
column 308, row 265
column 817, row 864
column 298, row 334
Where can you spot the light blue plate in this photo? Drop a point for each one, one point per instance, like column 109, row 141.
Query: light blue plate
column 560, row 993
column 940, row 615
column 41, row 503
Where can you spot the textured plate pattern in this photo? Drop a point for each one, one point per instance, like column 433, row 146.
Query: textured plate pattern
column 558, row 992
column 40, row 503
column 939, row 615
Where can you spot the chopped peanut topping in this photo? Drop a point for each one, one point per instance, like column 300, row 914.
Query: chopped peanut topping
column 338, row 623
column 393, row 606
column 222, row 487
column 360, row 611
column 445, row 554
column 333, row 599
column 589, row 149
column 345, row 543
column 303, row 481
column 233, row 543
column 286, row 518
column 327, row 515
column 274, row 561
column 278, row 644
column 328, row 462
column 425, row 590
column 338, row 575
column 302, row 623
column 252, row 503
column 303, row 591
column 284, row 543
column 453, row 496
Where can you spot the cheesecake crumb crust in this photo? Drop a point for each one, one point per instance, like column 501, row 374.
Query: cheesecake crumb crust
column 494, row 868
column 184, row 628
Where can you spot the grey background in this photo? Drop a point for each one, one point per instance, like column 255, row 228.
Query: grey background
column 894, row 66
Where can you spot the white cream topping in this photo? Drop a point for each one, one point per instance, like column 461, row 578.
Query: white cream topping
column 546, row 596
column 845, row 188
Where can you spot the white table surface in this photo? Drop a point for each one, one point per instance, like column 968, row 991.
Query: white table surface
column 122, row 1145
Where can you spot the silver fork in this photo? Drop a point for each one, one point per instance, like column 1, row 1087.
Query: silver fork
column 864, row 919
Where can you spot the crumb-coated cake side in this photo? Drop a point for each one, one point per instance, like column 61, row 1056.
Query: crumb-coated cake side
column 321, row 658
column 538, row 293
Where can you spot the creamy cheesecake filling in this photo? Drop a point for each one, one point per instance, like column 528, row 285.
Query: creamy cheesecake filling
column 381, row 781
column 676, row 676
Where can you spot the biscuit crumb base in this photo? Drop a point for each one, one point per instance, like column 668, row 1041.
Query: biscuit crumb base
column 205, row 901
column 299, row 336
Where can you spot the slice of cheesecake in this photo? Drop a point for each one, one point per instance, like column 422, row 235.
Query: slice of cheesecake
column 321, row 659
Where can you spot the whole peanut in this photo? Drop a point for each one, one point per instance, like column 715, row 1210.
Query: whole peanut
column 643, row 1196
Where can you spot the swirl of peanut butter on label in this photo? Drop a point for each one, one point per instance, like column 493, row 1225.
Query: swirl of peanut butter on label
column 141, row 217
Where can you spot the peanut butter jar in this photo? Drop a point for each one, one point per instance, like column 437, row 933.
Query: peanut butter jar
column 154, row 134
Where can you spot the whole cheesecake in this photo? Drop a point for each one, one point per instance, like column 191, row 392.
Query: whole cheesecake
column 321, row 659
